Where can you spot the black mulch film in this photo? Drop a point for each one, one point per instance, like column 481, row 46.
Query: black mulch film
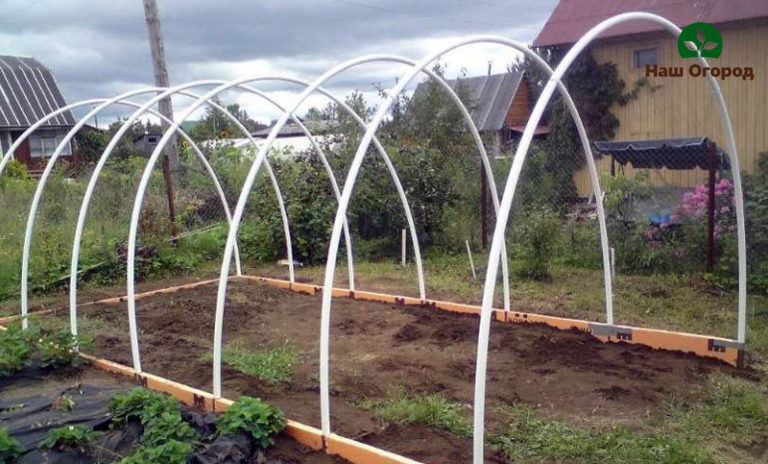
column 28, row 412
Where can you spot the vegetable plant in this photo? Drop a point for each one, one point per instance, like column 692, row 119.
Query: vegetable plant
column 10, row 448
column 250, row 415
column 142, row 404
column 170, row 452
column 70, row 437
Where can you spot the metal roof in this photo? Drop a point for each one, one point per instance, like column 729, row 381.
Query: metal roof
column 572, row 18
column 291, row 129
column 680, row 153
column 28, row 91
column 490, row 97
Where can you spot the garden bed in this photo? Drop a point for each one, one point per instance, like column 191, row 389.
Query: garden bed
column 388, row 361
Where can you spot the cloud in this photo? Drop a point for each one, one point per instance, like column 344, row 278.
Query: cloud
column 99, row 48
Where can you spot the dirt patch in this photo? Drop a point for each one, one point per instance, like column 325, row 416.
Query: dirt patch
column 376, row 348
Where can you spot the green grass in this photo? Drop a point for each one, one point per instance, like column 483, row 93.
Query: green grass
column 274, row 364
column 732, row 411
column 529, row 439
column 431, row 410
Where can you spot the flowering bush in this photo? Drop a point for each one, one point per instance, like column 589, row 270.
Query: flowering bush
column 696, row 203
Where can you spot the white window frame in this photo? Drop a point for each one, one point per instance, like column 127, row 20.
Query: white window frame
column 43, row 144
column 633, row 56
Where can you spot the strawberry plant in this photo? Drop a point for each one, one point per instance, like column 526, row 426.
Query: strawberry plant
column 252, row 416
column 165, row 427
column 170, row 452
column 10, row 449
column 69, row 437
column 142, row 404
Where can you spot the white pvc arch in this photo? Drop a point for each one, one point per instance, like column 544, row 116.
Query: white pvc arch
column 346, row 194
column 514, row 176
column 84, row 208
column 227, row 254
column 147, row 172
column 31, row 218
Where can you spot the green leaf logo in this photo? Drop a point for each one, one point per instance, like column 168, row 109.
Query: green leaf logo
column 700, row 40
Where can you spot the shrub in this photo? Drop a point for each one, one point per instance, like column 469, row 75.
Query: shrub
column 69, row 437
column 10, row 449
column 250, row 415
column 535, row 237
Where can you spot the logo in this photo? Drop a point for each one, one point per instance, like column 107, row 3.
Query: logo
column 699, row 40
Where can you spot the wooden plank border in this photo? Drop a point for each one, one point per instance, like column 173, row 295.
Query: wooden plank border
column 311, row 437
column 723, row 349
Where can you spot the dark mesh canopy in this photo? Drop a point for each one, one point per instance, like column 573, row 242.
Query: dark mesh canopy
column 679, row 154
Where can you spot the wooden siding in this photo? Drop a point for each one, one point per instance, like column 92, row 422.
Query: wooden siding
column 520, row 109
column 680, row 107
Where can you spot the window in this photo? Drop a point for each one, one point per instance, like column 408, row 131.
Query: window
column 45, row 143
column 152, row 140
column 645, row 56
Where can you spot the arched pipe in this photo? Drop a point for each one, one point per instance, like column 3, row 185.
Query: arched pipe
column 228, row 250
column 142, row 188
column 346, row 194
column 4, row 162
column 31, row 218
column 514, row 176
column 86, row 201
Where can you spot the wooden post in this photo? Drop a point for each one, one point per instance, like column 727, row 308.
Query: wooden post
column 171, row 157
column 711, row 208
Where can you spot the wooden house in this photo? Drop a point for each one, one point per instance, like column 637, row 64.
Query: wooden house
column 499, row 105
column 28, row 92
column 669, row 107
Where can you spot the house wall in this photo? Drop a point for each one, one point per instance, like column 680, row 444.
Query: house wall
column 681, row 107
column 34, row 164
column 520, row 109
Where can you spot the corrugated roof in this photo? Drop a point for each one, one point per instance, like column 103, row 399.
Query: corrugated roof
column 28, row 91
column 572, row 18
column 489, row 97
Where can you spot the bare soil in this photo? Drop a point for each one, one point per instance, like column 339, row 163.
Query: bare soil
column 377, row 347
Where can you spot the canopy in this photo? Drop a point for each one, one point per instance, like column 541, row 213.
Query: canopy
column 681, row 153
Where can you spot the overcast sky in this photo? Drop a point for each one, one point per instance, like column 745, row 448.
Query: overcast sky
column 99, row 48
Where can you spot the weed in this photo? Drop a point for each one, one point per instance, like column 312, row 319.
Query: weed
column 733, row 410
column 250, row 415
column 529, row 439
column 64, row 403
column 273, row 364
column 69, row 437
column 433, row 410
column 10, row 449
